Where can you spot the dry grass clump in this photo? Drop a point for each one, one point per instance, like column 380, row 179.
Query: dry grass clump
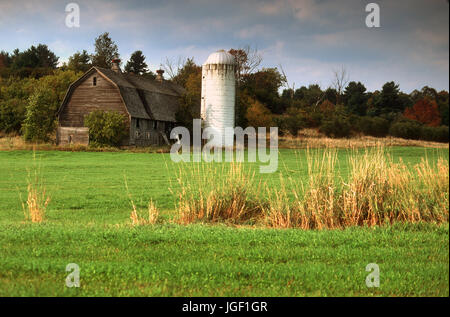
column 136, row 218
column 377, row 191
column 37, row 197
column 213, row 193
column 152, row 216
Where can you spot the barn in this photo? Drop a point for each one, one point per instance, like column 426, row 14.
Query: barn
column 150, row 105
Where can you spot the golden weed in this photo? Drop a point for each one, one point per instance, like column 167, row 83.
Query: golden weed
column 37, row 196
column 136, row 220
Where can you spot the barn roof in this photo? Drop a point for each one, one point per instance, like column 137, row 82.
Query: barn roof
column 144, row 98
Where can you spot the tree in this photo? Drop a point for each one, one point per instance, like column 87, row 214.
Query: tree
column 79, row 62
column 340, row 80
column 442, row 101
column 425, row 111
column 263, row 85
column 190, row 100
column 356, row 98
column 5, row 59
column 247, row 60
column 258, row 115
column 40, row 116
column 136, row 64
column 389, row 99
column 14, row 94
column 36, row 61
column 105, row 51
column 187, row 69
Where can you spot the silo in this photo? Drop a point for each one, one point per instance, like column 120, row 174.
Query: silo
column 218, row 94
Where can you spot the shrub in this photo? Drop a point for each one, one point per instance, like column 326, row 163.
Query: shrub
column 106, row 128
column 405, row 130
column 337, row 126
column 376, row 126
column 40, row 119
column 436, row 134
column 292, row 121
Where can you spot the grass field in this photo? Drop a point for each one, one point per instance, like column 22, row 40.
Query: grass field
column 88, row 223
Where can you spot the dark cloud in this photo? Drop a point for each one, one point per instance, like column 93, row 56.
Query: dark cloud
column 308, row 37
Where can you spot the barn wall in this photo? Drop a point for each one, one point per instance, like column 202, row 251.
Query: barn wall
column 87, row 98
column 148, row 132
column 67, row 135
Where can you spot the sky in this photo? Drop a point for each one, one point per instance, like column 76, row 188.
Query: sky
column 308, row 38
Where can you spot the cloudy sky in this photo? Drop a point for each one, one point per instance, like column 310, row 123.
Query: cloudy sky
column 309, row 38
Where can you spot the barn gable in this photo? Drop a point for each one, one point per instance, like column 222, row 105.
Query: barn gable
column 144, row 98
column 150, row 105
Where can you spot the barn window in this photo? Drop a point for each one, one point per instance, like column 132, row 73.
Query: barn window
column 154, row 125
column 147, row 134
column 137, row 123
column 94, row 81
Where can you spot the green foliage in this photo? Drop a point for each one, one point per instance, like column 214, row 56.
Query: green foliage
column 436, row 134
column 338, row 126
column 105, row 51
column 405, row 129
column 79, row 62
column 292, row 122
column 106, row 128
column 263, row 85
column 191, row 77
column 14, row 94
column 373, row 126
column 37, row 61
column 136, row 64
column 40, row 116
column 356, row 98
column 189, row 67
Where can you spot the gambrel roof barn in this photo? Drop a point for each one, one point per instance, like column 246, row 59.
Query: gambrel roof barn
column 149, row 104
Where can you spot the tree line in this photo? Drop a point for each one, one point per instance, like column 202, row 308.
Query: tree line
column 32, row 86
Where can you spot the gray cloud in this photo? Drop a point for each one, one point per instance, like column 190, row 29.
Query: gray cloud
column 308, row 37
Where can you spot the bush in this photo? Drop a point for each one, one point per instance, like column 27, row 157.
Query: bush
column 377, row 127
column 405, row 130
column 291, row 122
column 336, row 127
column 106, row 128
column 40, row 119
column 436, row 134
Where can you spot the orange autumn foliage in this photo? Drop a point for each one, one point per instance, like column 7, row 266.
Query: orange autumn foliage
column 258, row 115
column 425, row 111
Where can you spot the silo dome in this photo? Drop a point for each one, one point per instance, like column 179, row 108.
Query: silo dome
column 218, row 96
column 221, row 57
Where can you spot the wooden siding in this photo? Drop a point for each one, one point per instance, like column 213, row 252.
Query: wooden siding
column 87, row 98
column 149, row 132
column 68, row 135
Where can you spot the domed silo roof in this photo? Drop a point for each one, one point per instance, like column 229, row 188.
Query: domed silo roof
column 220, row 57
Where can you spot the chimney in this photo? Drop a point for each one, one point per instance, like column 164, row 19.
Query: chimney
column 159, row 76
column 116, row 65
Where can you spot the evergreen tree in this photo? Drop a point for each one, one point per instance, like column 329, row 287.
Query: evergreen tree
column 136, row 64
column 105, row 51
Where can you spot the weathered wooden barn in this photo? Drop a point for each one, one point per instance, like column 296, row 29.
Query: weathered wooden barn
column 149, row 104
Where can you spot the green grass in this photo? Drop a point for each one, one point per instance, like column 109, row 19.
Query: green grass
column 169, row 260
column 88, row 224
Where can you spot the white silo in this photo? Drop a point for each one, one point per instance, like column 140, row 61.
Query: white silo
column 218, row 94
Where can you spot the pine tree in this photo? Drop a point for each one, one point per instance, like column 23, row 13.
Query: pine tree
column 136, row 64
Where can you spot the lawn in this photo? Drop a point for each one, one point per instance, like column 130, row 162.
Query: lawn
column 88, row 223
